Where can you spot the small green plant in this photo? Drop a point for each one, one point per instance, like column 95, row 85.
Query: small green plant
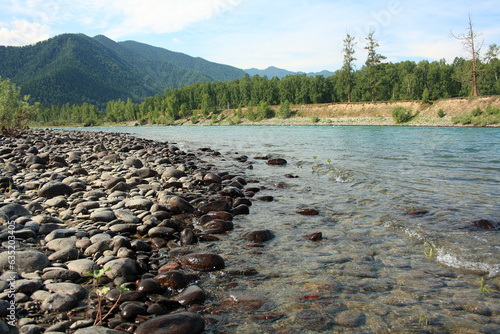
column 476, row 112
column 402, row 115
column 482, row 287
column 101, row 293
column 428, row 249
column 423, row 320
column 329, row 161
column 315, row 119
column 441, row 113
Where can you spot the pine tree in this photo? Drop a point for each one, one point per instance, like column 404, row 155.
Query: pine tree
column 372, row 63
column 347, row 72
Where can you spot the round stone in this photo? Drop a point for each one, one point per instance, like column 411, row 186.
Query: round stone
column 182, row 322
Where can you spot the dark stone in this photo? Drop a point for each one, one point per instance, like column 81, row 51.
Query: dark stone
column 193, row 294
column 172, row 172
column 177, row 323
column 219, row 224
column 203, row 261
column 172, row 279
column 149, row 285
column 308, row 212
column 232, row 192
column 416, row 213
column 242, row 200
column 484, row 224
column 131, row 310
column 113, row 182
column 161, row 232
column 241, row 209
column 146, row 172
column 217, row 206
column 133, row 162
column 265, row 198
column 178, row 205
column 314, row 236
column 188, row 237
column 212, row 178
column 259, row 236
column 54, row 188
column 277, row 162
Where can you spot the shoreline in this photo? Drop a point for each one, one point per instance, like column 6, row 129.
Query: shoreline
column 350, row 114
column 144, row 214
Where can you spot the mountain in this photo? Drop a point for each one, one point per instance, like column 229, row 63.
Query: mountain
column 75, row 68
column 280, row 73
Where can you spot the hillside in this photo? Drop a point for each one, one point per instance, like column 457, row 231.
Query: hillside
column 75, row 68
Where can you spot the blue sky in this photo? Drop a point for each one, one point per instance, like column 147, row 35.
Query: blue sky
column 298, row 35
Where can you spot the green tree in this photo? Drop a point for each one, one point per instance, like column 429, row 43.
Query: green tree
column 346, row 79
column 372, row 63
column 264, row 111
column 285, row 111
column 15, row 111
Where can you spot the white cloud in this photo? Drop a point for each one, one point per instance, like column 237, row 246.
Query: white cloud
column 21, row 32
column 159, row 16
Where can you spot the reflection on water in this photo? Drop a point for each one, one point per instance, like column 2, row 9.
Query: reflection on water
column 378, row 268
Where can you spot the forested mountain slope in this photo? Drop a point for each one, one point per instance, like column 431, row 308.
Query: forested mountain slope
column 75, row 68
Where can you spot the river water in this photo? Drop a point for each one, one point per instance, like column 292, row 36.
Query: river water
column 396, row 209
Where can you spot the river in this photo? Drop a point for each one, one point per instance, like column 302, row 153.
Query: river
column 396, row 209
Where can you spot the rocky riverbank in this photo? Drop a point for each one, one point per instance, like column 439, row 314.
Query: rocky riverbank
column 114, row 231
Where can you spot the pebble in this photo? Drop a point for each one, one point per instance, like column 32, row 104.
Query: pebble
column 177, row 323
column 120, row 268
column 128, row 206
column 72, row 289
column 26, row 261
column 59, row 302
column 82, row 266
column 203, row 261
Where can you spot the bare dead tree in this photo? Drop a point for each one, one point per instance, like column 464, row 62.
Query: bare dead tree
column 471, row 44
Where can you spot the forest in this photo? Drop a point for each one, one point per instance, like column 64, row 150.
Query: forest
column 407, row 80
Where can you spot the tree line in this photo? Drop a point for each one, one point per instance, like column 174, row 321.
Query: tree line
column 407, row 80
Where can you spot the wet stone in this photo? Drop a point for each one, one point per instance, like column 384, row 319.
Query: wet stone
column 173, row 279
column 259, row 236
column 178, row 323
column 192, row 294
column 277, row 162
column 203, row 261
column 149, row 285
column 131, row 310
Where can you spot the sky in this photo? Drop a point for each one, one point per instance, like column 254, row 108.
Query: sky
column 297, row 35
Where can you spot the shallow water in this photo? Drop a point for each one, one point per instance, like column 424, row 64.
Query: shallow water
column 377, row 268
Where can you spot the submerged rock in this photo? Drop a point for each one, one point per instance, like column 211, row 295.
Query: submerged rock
column 203, row 261
column 177, row 323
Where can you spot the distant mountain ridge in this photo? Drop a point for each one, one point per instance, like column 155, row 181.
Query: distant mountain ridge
column 75, row 68
column 280, row 73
